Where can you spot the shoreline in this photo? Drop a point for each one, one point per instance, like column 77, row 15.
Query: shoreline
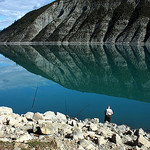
column 75, row 43
column 67, row 133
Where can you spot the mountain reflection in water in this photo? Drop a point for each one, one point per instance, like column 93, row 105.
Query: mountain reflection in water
column 120, row 71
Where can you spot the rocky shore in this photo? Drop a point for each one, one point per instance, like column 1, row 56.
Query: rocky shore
column 65, row 133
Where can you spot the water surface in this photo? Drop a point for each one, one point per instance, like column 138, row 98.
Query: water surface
column 69, row 78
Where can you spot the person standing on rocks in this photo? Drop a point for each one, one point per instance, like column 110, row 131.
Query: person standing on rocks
column 108, row 113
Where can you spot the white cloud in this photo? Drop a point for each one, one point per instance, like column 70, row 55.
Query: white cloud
column 14, row 76
column 13, row 10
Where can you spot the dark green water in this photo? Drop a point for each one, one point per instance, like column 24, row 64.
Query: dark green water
column 71, row 77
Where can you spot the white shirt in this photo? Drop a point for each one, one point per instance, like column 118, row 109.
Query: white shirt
column 109, row 111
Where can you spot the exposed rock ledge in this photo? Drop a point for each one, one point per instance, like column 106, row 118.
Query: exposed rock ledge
column 66, row 133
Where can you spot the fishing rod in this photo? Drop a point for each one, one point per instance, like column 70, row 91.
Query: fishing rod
column 80, row 111
column 34, row 97
column 66, row 109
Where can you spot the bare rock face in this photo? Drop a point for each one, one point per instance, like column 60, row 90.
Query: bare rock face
column 84, row 21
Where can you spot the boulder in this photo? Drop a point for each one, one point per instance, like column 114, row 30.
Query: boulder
column 37, row 116
column 95, row 120
column 49, row 115
column 101, row 140
column 93, row 127
column 142, row 141
column 117, row 139
column 24, row 138
column 14, row 122
column 5, row 111
column 84, row 143
column 61, row 117
column 77, row 134
column 29, row 115
column 48, row 128
column 3, row 119
column 139, row 132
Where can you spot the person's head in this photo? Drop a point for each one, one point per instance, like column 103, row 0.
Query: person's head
column 108, row 107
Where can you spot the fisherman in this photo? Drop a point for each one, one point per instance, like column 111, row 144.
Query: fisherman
column 108, row 113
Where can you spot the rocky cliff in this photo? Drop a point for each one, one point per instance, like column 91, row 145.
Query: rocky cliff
column 109, row 21
column 120, row 71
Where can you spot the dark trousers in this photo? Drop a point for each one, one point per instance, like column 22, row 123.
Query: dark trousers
column 107, row 118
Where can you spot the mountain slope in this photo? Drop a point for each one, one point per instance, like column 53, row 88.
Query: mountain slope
column 109, row 21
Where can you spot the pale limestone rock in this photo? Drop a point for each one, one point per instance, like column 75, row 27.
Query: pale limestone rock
column 40, row 122
column 101, row 140
column 1, row 133
column 77, row 133
column 142, row 141
column 93, row 127
column 49, row 115
column 105, row 131
column 117, row 139
column 90, row 147
column 80, row 124
column 24, row 138
column 3, row 119
column 14, row 122
column 5, row 111
column 4, row 139
column 61, row 117
column 67, row 129
column 24, row 119
column 139, row 132
column 29, row 115
column 95, row 120
column 91, row 134
column 80, row 148
column 49, row 128
column 84, row 143
column 38, row 116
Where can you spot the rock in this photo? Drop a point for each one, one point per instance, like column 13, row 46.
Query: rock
column 90, row 147
column 142, row 141
column 77, row 134
column 61, row 117
column 85, row 143
column 24, row 119
column 80, row 148
column 105, row 131
column 95, row 120
column 101, row 140
column 49, row 115
column 93, row 127
column 49, row 128
column 5, row 111
column 29, row 115
column 24, row 138
column 37, row 116
column 4, row 139
column 20, row 145
column 117, row 139
column 14, row 122
column 139, row 132
column 80, row 124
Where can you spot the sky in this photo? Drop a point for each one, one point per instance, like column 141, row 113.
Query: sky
column 14, row 76
column 14, row 10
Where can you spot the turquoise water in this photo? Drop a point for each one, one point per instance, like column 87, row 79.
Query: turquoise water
column 71, row 78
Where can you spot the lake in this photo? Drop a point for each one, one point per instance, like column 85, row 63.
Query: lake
column 74, row 78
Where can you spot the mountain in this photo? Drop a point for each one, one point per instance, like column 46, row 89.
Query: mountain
column 109, row 21
column 120, row 71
